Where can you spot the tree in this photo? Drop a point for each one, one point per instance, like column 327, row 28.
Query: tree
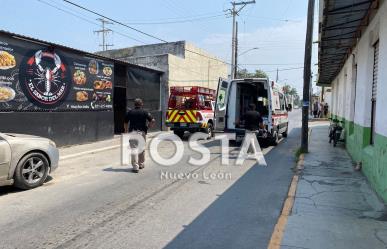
column 293, row 91
column 287, row 89
column 260, row 74
column 244, row 73
column 290, row 90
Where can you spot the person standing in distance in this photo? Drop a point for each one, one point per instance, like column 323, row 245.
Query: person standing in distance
column 138, row 120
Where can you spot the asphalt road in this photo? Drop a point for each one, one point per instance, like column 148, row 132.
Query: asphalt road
column 93, row 202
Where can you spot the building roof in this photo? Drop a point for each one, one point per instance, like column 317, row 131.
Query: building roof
column 26, row 38
column 341, row 25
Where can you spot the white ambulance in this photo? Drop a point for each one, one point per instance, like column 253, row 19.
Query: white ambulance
column 233, row 99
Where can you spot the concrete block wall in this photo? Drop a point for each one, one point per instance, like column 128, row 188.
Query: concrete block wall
column 175, row 48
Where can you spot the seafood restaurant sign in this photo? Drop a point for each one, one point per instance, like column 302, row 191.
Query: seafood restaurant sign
column 35, row 77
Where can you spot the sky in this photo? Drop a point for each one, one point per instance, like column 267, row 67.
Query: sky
column 276, row 27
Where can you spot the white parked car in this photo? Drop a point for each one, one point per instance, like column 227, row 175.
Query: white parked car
column 26, row 161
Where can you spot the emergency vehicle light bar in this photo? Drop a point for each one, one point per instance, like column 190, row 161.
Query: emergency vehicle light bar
column 192, row 90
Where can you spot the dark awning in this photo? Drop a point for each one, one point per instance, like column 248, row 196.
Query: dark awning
column 341, row 24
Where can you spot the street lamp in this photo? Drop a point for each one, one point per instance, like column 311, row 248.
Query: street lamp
column 248, row 50
column 236, row 60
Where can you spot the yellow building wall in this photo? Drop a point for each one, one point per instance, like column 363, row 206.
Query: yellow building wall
column 198, row 68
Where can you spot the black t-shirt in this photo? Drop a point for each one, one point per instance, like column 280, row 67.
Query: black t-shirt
column 137, row 119
column 252, row 120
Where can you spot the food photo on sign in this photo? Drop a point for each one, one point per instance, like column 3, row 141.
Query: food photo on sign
column 40, row 78
column 7, row 61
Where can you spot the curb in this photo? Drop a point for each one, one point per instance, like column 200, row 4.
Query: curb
column 279, row 228
column 101, row 149
column 88, row 152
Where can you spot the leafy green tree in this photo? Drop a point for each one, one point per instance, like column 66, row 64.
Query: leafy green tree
column 290, row 90
column 293, row 91
column 244, row 73
column 286, row 88
column 260, row 74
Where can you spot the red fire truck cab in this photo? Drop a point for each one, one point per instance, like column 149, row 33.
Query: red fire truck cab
column 191, row 108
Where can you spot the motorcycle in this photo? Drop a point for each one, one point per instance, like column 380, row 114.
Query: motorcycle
column 336, row 132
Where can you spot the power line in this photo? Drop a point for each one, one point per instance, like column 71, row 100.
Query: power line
column 115, row 21
column 175, row 18
column 137, row 30
column 178, row 21
column 269, row 18
column 87, row 20
column 91, row 22
column 279, row 64
column 285, row 69
column 177, row 8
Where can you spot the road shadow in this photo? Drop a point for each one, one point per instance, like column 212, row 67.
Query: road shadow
column 5, row 190
column 215, row 142
column 211, row 143
column 244, row 215
column 127, row 169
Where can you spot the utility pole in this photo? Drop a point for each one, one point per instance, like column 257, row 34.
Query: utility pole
column 277, row 78
column 236, row 52
column 234, row 12
column 307, row 78
column 104, row 32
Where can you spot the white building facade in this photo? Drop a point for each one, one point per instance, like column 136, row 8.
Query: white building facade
column 359, row 83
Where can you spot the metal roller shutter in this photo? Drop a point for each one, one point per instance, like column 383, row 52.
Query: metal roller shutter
column 375, row 72
column 374, row 91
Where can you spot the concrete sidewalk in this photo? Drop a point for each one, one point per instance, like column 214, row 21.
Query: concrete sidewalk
column 335, row 207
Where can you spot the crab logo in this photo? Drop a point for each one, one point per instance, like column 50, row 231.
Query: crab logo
column 44, row 79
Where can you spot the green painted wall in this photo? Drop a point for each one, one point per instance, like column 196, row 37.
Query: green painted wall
column 373, row 157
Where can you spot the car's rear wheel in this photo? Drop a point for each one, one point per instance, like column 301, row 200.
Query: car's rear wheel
column 31, row 171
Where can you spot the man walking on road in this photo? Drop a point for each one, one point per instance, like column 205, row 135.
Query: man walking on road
column 138, row 120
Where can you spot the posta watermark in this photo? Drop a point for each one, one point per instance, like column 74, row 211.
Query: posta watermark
column 134, row 143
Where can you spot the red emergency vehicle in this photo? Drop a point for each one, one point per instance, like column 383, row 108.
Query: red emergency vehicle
column 191, row 108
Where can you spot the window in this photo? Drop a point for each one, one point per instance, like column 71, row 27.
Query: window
column 374, row 91
column 222, row 94
column 204, row 102
column 276, row 101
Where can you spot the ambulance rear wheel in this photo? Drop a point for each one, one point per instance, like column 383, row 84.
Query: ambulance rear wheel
column 285, row 134
column 210, row 131
column 275, row 139
column 178, row 133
